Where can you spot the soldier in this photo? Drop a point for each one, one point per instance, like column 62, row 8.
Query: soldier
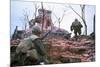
column 76, row 26
column 32, row 48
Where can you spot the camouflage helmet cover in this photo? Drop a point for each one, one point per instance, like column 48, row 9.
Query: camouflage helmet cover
column 76, row 19
column 36, row 29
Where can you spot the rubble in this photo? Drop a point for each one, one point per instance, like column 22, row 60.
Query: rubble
column 69, row 50
column 62, row 50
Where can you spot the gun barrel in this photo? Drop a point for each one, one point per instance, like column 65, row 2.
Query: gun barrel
column 45, row 35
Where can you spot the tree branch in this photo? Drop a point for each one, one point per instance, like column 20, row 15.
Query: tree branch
column 63, row 16
column 75, row 11
column 55, row 16
column 36, row 8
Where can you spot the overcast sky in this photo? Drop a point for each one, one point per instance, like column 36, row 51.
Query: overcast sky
column 19, row 8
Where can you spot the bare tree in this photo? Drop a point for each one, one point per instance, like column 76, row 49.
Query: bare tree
column 82, row 16
column 59, row 19
column 26, row 18
column 35, row 10
column 32, row 21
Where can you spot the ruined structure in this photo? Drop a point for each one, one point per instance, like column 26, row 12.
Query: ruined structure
column 43, row 20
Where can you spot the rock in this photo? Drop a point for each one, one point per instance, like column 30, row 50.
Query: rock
column 78, row 50
column 87, row 42
column 64, row 60
column 86, row 55
column 74, row 60
column 70, row 59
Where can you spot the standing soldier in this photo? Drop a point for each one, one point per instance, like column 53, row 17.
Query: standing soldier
column 76, row 26
column 32, row 48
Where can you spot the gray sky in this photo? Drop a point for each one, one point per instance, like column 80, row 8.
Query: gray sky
column 19, row 8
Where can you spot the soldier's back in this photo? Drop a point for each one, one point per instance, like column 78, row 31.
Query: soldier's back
column 76, row 23
column 24, row 45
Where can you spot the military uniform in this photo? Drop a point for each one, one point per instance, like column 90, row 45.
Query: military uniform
column 33, row 48
column 76, row 26
column 26, row 44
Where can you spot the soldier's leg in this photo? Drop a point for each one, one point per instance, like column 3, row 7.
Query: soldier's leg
column 79, row 31
column 41, row 50
column 75, row 32
column 39, row 46
column 45, row 60
column 33, row 55
column 19, row 58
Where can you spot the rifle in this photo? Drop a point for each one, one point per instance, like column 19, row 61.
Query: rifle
column 45, row 35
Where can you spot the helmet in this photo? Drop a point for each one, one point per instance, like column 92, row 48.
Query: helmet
column 36, row 29
column 76, row 19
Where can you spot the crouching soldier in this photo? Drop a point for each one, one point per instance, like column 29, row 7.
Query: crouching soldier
column 32, row 49
column 76, row 26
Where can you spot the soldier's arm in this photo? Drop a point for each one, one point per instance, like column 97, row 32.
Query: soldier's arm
column 81, row 25
column 39, row 46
